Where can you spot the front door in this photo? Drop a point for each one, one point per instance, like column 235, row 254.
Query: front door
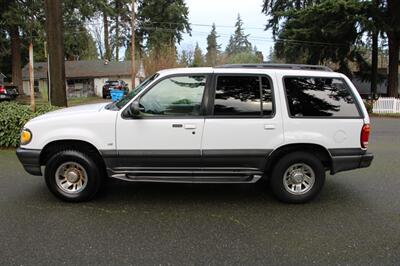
column 166, row 136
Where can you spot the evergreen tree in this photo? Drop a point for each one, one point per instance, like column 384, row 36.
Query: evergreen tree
column 198, row 59
column 319, row 32
column 162, row 22
column 238, row 42
column 120, row 26
column 213, row 49
column 184, row 60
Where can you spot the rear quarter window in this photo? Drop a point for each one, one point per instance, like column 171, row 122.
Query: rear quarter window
column 320, row 97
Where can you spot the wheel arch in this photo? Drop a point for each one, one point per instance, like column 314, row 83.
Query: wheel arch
column 53, row 147
column 321, row 152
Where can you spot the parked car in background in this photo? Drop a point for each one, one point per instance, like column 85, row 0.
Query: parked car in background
column 8, row 92
column 114, row 85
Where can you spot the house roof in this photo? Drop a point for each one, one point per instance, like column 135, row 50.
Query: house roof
column 84, row 69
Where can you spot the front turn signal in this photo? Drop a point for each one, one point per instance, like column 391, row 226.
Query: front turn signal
column 26, row 136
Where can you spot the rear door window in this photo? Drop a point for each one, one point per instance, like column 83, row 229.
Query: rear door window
column 243, row 96
column 319, row 97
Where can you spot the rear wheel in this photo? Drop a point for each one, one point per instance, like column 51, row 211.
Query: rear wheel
column 297, row 177
column 73, row 176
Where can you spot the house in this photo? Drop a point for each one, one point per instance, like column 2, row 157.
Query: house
column 2, row 77
column 83, row 78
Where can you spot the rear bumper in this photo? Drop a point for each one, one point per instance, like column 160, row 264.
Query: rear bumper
column 30, row 159
column 6, row 97
column 349, row 162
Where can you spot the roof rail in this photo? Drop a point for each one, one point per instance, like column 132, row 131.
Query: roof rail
column 278, row 66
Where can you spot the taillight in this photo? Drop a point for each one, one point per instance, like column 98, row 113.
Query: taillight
column 366, row 129
column 2, row 90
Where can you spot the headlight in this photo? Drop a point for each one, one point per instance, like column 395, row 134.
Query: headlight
column 26, row 136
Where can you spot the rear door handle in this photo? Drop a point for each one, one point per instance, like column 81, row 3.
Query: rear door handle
column 190, row 126
column 269, row 127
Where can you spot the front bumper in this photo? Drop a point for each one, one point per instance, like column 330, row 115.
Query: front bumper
column 345, row 163
column 30, row 159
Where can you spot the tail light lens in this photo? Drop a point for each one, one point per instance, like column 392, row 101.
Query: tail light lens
column 366, row 129
column 2, row 90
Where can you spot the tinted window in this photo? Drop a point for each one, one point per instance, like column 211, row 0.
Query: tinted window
column 267, row 103
column 175, row 96
column 329, row 97
column 241, row 95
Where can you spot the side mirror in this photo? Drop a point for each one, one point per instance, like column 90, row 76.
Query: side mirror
column 135, row 108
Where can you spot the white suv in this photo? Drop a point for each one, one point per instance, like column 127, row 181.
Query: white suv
column 229, row 124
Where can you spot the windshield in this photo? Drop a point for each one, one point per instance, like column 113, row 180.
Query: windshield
column 121, row 103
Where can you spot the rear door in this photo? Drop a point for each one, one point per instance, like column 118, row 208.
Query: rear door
column 244, row 122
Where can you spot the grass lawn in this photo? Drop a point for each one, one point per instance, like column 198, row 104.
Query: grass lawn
column 386, row 115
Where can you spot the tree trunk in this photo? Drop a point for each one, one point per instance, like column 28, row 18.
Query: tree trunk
column 374, row 63
column 55, row 41
column 106, row 38
column 16, row 58
column 393, row 79
column 117, row 9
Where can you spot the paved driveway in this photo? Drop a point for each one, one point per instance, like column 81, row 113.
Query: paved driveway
column 356, row 220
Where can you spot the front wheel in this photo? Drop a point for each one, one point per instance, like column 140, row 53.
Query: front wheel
column 297, row 177
column 73, row 176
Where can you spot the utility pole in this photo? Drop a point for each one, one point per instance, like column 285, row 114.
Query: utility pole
column 133, row 66
column 31, row 78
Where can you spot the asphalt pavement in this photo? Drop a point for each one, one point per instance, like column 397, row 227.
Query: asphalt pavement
column 354, row 221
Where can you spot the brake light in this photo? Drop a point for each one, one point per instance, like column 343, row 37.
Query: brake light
column 366, row 129
column 2, row 90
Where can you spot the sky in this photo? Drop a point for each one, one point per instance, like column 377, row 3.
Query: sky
column 224, row 13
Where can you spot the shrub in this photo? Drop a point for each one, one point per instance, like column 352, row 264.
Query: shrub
column 13, row 117
column 154, row 60
column 368, row 105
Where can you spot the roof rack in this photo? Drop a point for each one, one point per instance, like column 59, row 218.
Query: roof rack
column 278, row 66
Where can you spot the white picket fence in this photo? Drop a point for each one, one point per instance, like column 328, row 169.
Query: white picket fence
column 386, row 105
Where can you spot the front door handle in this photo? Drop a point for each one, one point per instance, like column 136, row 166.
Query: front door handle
column 269, row 127
column 190, row 126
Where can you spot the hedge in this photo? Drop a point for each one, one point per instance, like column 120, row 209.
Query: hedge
column 13, row 117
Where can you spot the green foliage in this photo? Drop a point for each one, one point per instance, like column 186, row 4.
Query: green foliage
column 79, row 44
column 213, row 49
column 162, row 22
column 198, row 59
column 243, row 58
column 154, row 61
column 368, row 105
column 13, row 118
column 315, row 32
column 185, row 58
column 238, row 43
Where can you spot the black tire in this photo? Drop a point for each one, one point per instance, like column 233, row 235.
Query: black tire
column 95, row 175
column 277, row 177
